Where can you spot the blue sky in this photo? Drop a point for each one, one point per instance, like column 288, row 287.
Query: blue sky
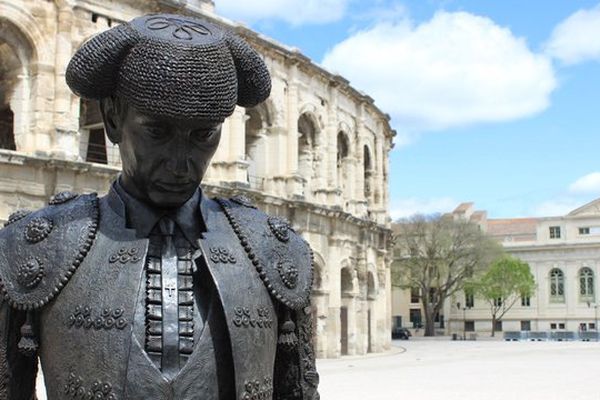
column 495, row 102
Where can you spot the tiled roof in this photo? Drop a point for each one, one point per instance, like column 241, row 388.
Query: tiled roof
column 515, row 227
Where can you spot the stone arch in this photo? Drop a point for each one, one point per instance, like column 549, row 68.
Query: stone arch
column 372, row 285
column 320, row 277
column 347, row 281
column 29, row 30
column 17, row 57
column 367, row 170
column 343, row 169
column 93, row 142
column 258, row 122
column 308, row 144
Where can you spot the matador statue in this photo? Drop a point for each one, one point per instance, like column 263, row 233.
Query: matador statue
column 155, row 291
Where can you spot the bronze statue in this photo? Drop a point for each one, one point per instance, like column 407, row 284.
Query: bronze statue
column 155, row 291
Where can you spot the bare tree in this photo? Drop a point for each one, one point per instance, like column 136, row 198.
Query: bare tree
column 438, row 255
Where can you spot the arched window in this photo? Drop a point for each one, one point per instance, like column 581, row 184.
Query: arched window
column 367, row 169
column 371, row 287
column 347, row 280
column 586, row 284
column 16, row 54
column 255, row 149
column 93, row 141
column 343, row 147
column 343, row 150
column 557, row 286
column 307, row 137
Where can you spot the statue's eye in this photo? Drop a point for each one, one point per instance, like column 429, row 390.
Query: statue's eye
column 156, row 132
column 203, row 135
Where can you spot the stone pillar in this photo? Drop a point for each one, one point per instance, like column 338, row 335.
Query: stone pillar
column 237, row 146
column 292, row 122
column 66, row 122
column 331, row 132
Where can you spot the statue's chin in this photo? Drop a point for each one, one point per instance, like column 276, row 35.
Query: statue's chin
column 165, row 199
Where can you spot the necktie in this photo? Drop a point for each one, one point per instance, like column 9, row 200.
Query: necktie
column 170, row 302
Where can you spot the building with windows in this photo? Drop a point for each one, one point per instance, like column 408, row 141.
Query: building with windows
column 316, row 153
column 564, row 256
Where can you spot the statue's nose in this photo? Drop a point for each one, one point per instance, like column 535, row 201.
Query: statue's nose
column 180, row 159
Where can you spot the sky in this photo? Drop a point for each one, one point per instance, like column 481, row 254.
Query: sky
column 495, row 102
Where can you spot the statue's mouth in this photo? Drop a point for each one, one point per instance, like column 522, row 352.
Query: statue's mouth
column 174, row 187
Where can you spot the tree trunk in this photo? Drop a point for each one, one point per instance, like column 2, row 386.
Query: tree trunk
column 493, row 326
column 429, row 322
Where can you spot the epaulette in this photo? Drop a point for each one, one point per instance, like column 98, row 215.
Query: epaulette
column 283, row 259
column 40, row 251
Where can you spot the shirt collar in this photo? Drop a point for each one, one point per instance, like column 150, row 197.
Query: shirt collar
column 143, row 218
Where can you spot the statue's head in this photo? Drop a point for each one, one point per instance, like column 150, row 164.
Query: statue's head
column 165, row 84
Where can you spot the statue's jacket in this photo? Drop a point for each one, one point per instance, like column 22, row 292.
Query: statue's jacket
column 70, row 278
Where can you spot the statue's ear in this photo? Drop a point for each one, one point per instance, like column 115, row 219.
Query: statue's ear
column 110, row 108
column 93, row 72
column 254, row 81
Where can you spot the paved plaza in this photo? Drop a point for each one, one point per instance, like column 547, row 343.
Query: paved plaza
column 482, row 370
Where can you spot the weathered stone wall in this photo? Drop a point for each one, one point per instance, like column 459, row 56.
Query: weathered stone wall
column 315, row 152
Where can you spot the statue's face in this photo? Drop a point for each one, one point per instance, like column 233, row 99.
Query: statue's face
column 163, row 159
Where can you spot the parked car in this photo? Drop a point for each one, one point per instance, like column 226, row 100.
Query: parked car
column 401, row 333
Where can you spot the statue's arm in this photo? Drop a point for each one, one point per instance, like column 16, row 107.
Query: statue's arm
column 17, row 371
column 296, row 377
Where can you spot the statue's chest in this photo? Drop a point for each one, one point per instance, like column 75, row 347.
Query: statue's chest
column 86, row 332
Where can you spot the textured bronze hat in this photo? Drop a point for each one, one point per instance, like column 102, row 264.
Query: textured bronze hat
column 173, row 66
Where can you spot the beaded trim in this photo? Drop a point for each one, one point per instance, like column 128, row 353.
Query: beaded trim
column 17, row 216
column 85, row 247
column 254, row 259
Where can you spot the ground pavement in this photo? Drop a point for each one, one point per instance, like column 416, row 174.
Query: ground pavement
column 481, row 370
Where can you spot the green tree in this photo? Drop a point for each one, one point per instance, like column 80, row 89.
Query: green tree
column 438, row 255
column 506, row 281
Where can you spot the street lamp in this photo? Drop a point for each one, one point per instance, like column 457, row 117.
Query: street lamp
column 464, row 319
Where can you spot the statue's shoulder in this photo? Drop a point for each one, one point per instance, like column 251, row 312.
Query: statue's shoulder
column 281, row 256
column 40, row 250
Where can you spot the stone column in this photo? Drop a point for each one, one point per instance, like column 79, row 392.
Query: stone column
column 66, row 141
column 237, row 146
column 292, row 121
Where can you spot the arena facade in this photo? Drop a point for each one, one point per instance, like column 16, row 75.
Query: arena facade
column 316, row 153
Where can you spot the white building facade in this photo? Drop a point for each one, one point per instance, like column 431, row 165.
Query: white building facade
column 564, row 256
column 316, row 152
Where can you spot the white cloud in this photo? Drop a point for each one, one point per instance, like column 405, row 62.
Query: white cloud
column 403, row 208
column 295, row 12
column 589, row 183
column 577, row 38
column 453, row 70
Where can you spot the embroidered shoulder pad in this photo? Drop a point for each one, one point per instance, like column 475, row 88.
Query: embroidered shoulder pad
column 282, row 258
column 40, row 251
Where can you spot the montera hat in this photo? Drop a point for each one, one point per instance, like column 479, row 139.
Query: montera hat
column 172, row 66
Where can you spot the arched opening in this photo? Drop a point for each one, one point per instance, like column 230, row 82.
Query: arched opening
column 16, row 54
column 347, row 309
column 586, row 285
column 93, row 144
column 307, row 143
column 371, row 286
column 557, row 286
column 257, row 124
column 343, row 151
column 317, row 278
column 347, row 281
column 367, row 170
